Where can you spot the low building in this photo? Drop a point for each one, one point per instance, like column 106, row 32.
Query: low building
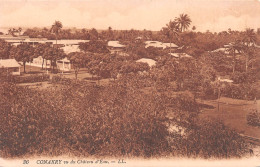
column 115, row 47
column 64, row 64
column 11, row 65
column 39, row 62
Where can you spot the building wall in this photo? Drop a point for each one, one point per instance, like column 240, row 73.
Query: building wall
column 37, row 62
column 12, row 70
column 66, row 67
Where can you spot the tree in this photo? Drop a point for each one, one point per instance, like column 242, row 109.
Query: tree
column 232, row 49
column 11, row 31
column 56, row 28
column 5, row 49
column 78, row 60
column 194, row 28
column 93, row 34
column 171, row 30
column 40, row 50
column 183, row 21
column 110, row 34
column 249, row 39
column 24, row 53
column 19, row 30
column 96, row 46
column 53, row 54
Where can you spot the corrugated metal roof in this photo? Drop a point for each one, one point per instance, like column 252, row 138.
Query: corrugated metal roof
column 7, row 63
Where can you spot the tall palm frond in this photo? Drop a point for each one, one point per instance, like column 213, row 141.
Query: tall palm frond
column 183, row 21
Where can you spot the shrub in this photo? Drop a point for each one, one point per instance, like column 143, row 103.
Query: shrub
column 244, row 77
column 253, row 118
column 212, row 139
column 240, row 91
column 32, row 78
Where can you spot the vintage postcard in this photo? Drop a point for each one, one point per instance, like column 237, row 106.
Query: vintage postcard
column 129, row 83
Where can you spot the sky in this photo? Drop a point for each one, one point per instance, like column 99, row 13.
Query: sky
column 213, row 15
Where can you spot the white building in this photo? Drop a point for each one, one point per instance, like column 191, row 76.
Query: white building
column 64, row 64
column 116, row 48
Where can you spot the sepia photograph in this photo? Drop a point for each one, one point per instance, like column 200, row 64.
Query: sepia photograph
column 130, row 83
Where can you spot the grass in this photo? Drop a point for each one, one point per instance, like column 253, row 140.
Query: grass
column 233, row 113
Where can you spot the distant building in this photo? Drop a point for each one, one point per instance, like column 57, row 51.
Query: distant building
column 11, row 65
column 158, row 44
column 37, row 62
column 16, row 40
column 64, row 64
column 116, row 48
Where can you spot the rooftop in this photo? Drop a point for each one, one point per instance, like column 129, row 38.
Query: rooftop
column 180, row 55
column 7, row 63
column 115, row 44
column 150, row 62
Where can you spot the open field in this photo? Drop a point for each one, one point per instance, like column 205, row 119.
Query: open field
column 233, row 112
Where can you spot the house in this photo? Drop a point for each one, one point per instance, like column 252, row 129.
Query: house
column 64, row 64
column 115, row 47
column 37, row 62
column 150, row 62
column 11, row 65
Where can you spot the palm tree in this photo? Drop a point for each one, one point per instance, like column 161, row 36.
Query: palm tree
column 19, row 30
column 183, row 22
column 249, row 40
column 171, row 30
column 194, row 28
column 56, row 28
column 232, row 49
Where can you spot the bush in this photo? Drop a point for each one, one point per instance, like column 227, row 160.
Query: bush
column 240, row 91
column 32, row 78
column 244, row 77
column 212, row 139
column 253, row 118
column 61, row 80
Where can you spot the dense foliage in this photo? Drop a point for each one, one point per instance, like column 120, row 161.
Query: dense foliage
column 119, row 119
column 253, row 118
